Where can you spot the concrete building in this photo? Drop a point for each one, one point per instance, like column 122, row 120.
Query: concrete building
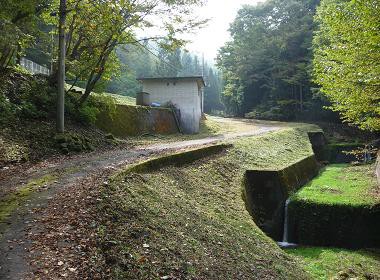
column 185, row 93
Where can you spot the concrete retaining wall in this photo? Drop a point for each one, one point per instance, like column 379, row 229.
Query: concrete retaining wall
column 137, row 120
column 317, row 224
column 177, row 159
column 319, row 142
column 377, row 171
column 265, row 193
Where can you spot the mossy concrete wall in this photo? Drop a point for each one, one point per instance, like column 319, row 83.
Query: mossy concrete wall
column 334, row 225
column 176, row 159
column 319, row 142
column 338, row 152
column 377, row 168
column 265, row 192
column 137, row 120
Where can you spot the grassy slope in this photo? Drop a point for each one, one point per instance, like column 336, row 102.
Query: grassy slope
column 124, row 100
column 342, row 184
column 349, row 185
column 190, row 222
column 327, row 263
column 34, row 140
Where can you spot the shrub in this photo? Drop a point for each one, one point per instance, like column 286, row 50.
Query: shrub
column 88, row 114
column 90, row 110
column 72, row 142
column 31, row 97
column 6, row 109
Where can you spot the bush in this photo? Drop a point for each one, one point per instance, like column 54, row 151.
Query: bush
column 88, row 115
column 6, row 109
column 289, row 110
column 279, row 110
column 31, row 97
column 72, row 142
column 25, row 96
column 90, row 110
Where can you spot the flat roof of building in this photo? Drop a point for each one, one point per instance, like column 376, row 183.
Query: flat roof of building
column 196, row 78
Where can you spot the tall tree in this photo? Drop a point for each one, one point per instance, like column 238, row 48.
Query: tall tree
column 96, row 28
column 169, row 63
column 347, row 59
column 267, row 62
column 18, row 26
column 212, row 91
column 135, row 62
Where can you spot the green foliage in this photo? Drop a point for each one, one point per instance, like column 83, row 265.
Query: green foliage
column 342, row 184
column 347, row 59
column 267, row 62
column 88, row 114
column 142, row 213
column 332, row 263
column 169, row 63
column 72, row 142
column 31, row 97
column 213, row 91
column 96, row 28
column 6, row 109
column 281, row 109
column 137, row 62
column 25, row 96
column 18, row 27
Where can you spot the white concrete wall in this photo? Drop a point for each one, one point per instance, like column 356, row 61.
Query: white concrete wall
column 185, row 95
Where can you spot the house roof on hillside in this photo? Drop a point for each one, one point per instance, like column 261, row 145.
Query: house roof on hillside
column 164, row 79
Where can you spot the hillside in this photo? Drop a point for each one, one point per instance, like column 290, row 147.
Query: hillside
column 190, row 222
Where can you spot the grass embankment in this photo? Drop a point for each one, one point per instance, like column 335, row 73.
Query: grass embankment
column 333, row 263
column 27, row 120
column 342, row 184
column 123, row 100
column 36, row 140
column 190, row 222
column 339, row 206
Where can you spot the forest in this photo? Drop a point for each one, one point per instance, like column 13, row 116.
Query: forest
column 263, row 163
column 286, row 60
column 152, row 61
column 300, row 59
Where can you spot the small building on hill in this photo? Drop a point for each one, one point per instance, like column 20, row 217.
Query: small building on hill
column 185, row 93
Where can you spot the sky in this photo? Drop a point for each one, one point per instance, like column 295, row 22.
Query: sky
column 221, row 13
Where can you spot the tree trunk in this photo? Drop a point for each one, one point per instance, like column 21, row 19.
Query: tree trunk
column 95, row 76
column 61, row 69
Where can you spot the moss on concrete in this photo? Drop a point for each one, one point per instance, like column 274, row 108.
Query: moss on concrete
column 265, row 193
column 176, row 159
column 137, row 120
column 14, row 200
column 190, row 222
column 341, row 204
column 342, row 184
column 275, row 150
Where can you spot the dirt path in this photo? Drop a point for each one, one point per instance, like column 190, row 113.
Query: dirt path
column 16, row 234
